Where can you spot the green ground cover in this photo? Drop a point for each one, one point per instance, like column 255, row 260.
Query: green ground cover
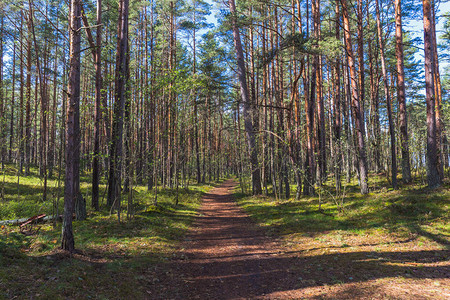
column 112, row 258
column 411, row 210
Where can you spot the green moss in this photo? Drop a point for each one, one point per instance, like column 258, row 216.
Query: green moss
column 411, row 209
column 112, row 255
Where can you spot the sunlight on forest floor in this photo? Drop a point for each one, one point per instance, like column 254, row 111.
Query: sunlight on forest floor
column 385, row 244
column 391, row 244
column 111, row 258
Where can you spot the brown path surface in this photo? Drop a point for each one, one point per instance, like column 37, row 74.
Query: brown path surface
column 226, row 256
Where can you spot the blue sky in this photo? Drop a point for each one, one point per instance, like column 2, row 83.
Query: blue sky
column 415, row 27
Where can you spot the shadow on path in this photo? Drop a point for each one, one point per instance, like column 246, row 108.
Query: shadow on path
column 226, row 256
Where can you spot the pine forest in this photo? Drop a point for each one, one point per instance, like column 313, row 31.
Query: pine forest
column 206, row 149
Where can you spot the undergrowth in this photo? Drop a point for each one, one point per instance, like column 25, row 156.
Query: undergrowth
column 411, row 210
column 111, row 256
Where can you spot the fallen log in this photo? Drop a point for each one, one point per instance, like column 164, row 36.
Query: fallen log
column 13, row 222
column 23, row 220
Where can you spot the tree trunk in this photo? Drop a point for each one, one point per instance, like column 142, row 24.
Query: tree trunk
column 115, row 167
column 337, row 109
column 97, row 109
column 358, row 114
column 13, row 93
column 20, row 137
column 388, row 98
column 433, row 177
column 72, row 180
column 248, row 123
column 317, row 72
column 52, row 141
column 2, row 96
column 28, row 100
column 440, row 134
column 401, row 94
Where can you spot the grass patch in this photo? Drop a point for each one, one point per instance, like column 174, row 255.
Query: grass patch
column 410, row 211
column 114, row 260
column 395, row 240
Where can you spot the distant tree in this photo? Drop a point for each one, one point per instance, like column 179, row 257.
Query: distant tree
column 195, row 19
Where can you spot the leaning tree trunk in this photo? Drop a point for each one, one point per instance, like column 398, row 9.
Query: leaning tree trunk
column 248, row 123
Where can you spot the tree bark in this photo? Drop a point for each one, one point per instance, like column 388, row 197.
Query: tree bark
column 355, row 103
column 248, row 123
column 13, row 93
column 72, row 180
column 433, row 177
column 97, row 109
column 440, row 133
column 337, row 109
column 388, row 98
column 317, row 69
column 115, row 167
column 2, row 95
column 401, row 94
column 28, row 99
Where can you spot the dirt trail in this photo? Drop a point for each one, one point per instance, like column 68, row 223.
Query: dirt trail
column 226, row 256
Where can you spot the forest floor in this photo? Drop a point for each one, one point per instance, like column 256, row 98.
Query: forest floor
column 386, row 245
column 227, row 256
column 111, row 257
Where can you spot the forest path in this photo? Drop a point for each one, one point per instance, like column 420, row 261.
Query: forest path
column 226, row 256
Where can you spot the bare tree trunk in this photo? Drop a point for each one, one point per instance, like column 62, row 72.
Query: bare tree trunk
column 248, row 123
column 13, row 93
column 72, row 180
column 317, row 72
column 433, row 177
column 2, row 96
column 355, row 103
column 440, row 134
column 44, row 102
column 28, row 99
column 337, row 109
column 97, row 109
column 401, row 94
column 20, row 136
column 115, row 167
column 52, row 140
column 361, row 70
column 388, row 98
